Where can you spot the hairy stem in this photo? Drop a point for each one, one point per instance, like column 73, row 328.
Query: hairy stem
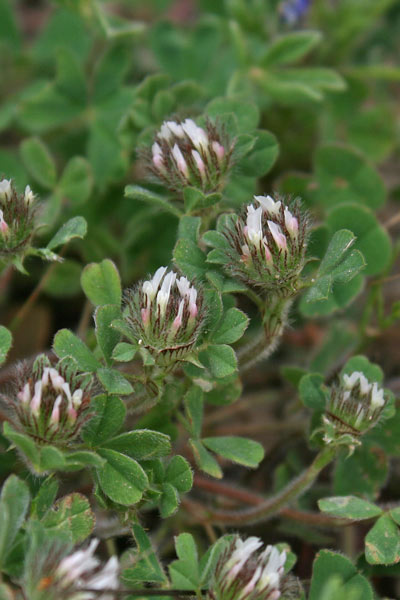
column 274, row 505
column 274, row 322
column 247, row 497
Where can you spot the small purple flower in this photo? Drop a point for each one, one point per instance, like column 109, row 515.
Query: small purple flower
column 293, row 10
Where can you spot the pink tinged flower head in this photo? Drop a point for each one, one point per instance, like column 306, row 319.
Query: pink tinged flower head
column 292, row 224
column 5, row 188
column 158, row 160
column 150, row 288
column 165, row 291
column 218, row 149
column 253, row 229
column 196, row 134
column 3, row 225
column 37, row 398
column 268, row 204
column 29, row 196
column 279, row 237
column 199, row 163
column 180, row 161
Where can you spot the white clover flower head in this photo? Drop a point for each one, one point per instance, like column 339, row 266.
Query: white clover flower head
column 268, row 204
column 17, row 220
column 247, row 573
column 266, row 246
column 354, row 407
column 166, row 314
column 48, row 403
column 80, row 571
column 185, row 154
column 5, row 189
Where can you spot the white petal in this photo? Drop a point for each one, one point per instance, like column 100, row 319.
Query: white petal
column 268, row 204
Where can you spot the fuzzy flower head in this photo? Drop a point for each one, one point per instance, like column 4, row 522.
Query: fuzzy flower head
column 354, row 407
column 50, row 404
column 166, row 315
column 267, row 245
column 61, row 576
column 244, row 572
column 16, row 219
column 184, row 154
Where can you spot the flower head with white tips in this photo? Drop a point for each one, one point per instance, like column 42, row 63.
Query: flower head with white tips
column 16, row 219
column 267, row 246
column 80, row 575
column 355, row 405
column 184, row 154
column 48, row 403
column 166, row 314
column 245, row 573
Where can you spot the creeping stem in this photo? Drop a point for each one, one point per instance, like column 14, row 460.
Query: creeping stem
column 273, row 505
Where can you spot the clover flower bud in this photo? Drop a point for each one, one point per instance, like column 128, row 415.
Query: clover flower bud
column 266, row 246
column 50, row 404
column 353, row 408
column 244, row 572
column 166, row 315
column 53, row 574
column 29, row 196
column 184, row 154
column 16, row 219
